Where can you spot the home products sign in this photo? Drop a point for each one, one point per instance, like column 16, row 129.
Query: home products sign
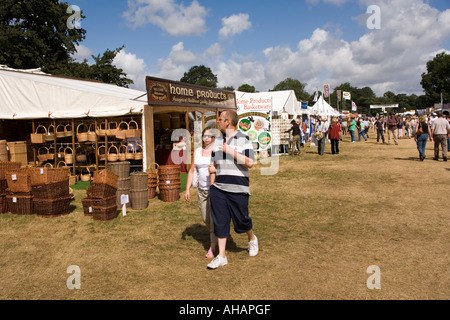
column 165, row 92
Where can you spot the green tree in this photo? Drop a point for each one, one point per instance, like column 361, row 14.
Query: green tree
column 247, row 88
column 293, row 84
column 437, row 78
column 34, row 33
column 200, row 75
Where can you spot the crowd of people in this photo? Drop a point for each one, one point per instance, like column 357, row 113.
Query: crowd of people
column 432, row 127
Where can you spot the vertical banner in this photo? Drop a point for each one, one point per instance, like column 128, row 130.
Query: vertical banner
column 326, row 90
column 338, row 92
column 354, row 108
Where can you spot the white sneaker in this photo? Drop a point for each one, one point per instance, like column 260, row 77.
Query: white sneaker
column 253, row 247
column 218, row 261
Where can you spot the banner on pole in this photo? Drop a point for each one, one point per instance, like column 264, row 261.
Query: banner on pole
column 354, row 106
column 338, row 92
column 347, row 95
column 326, row 90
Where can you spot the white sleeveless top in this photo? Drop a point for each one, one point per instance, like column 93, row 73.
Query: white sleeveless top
column 201, row 165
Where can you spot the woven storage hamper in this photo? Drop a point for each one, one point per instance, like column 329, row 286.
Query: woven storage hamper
column 52, row 208
column 100, row 190
column 20, row 204
column 87, row 206
column 3, row 204
column 3, row 186
column 89, row 203
column 139, row 180
column 139, row 199
column 122, row 169
column 124, row 183
column 169, row 192
column 106, row 176
column 52, row 190
column 8, row 166
column 104, row 213
column 18, row 181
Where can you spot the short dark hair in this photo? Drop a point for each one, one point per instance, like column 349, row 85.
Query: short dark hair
column 232, row 116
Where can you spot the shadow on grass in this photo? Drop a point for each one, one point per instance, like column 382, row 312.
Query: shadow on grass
column 201, row 234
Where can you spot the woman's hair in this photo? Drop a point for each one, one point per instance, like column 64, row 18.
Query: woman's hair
column 423, row 118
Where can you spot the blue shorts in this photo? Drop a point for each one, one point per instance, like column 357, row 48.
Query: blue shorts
column 227, row 206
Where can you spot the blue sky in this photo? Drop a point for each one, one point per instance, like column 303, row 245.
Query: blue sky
column 263, row 42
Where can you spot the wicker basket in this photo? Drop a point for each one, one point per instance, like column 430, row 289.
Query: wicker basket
column 86, row 176
column 52, row 190
column 52, row 207
column 130, row 155
column 121, row 132
column 20, row 204
column 89, row 203
column 50, row 135
column 112, row 157
column 92, row 136
column 18, row 181
column 124, row 184
column 122, row 169
column 3, row 204
column 68, row 131
column 105, row 176
column 133, row 130
column 100, row 190
column 101, row 130
column 138, row 152
column 60, row 131
column 169, row 169
column 151, row 192
column 3, row 186
column 82, row 136
column 47, row 175
column 170, row 195
column 139, row 180
column 38, row 137
column 42, row 154
column 122, row 152
column 68, row 157
column 8, row 166
column 139, row 199
column 112, row 129
column 102, row 156
column 51, row 153
column 104, row 213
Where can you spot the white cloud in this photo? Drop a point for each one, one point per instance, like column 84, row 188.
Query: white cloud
column 134, row 67
column 82, row 53
column 175, row 19
column 235, row 24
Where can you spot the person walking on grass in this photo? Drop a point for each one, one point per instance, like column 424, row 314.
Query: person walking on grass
column 440, row 128
column 201, row 162
column 360, row 127
column 422, row 138
column 392, row 123
column 380, row 125
column 351, row 129
column 296, row 138
column 334, row 133
column 231, row 159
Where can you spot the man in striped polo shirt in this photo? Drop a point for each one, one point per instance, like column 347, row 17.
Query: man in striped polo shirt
column 231, row 158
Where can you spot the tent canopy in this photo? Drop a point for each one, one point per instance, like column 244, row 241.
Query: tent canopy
column 31, row 94
column 322, row 108
column 266, row 101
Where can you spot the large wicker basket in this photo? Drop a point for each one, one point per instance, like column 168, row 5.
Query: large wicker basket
column 8, row 166
column 139, row 180
column 18, row 181
column 139, row 199
column 20, row 204
column 52, row 190
column 100, row 190
column 3, row 204
column 122, row 169
column 106, row 176
column 104, row 213
column 52, row 207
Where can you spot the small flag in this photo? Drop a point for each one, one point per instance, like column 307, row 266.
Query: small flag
column 354, row 106
column 316, row 96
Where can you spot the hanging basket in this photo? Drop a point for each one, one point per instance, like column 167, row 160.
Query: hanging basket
column 60, row 153
column 50, row 135
column 101, row 130
column 41, row 155
column 60, row 131
column 92, row 136
column 68, row 157
column 130, row 155
column 68, row 131
column 112, row 157
column 51, row 153
column 122, row 152
column 112, row 129
column 38, row 135
column 82, row 136
column 102, row 156
column 133, row 130
column 138, row 155
column 121, row 132
column 86, row 176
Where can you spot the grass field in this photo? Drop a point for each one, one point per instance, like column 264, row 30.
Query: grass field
column 321, row 222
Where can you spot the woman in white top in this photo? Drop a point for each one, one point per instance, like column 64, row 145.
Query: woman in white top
column 202, row 160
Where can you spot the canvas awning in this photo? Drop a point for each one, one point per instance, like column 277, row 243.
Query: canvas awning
column 31, row 94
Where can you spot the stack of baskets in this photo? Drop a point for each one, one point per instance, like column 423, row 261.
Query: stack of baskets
column 169, row 182
column 152, row 184
column 139, row 190
column 100, row 202
column 122, row 170
column 5, row 167
column 50, row 190
column 19, row 197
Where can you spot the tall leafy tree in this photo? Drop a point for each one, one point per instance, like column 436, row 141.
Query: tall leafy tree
column 200, row 75
column 247, row 88
column 34, row 33
column 437, row 78
column 293, row 84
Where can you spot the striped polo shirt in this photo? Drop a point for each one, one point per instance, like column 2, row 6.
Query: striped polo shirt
column 232, row 176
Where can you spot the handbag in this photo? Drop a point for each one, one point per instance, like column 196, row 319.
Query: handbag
column 419, row 131
column 195, row 179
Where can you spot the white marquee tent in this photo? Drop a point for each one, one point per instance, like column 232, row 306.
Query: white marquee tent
column 31, row 94
column 284, row 100
column 322, row 108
